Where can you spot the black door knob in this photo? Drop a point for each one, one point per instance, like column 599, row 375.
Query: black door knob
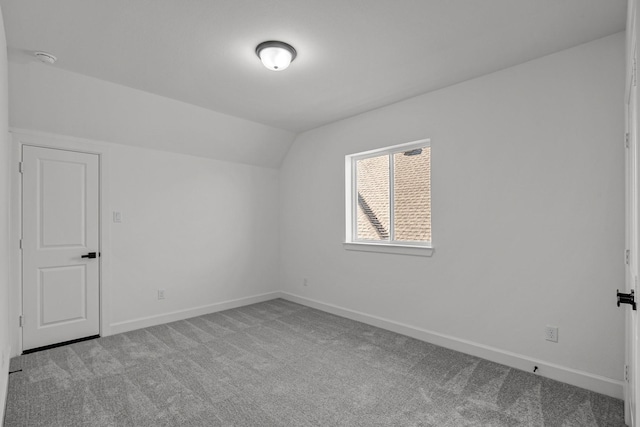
column 90, row 255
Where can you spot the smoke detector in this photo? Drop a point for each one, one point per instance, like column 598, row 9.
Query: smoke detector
column 45, row 57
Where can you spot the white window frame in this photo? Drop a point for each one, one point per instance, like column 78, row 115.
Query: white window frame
column 351, row 208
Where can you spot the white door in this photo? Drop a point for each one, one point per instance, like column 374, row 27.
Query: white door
column 632, row 409
column 60, row 288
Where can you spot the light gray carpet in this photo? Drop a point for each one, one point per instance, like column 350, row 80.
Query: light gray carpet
column 282, row 364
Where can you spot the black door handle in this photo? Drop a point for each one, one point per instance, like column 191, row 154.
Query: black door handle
column 90, row 255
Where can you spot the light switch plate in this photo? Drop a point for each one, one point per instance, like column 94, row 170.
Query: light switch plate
column 117, row 216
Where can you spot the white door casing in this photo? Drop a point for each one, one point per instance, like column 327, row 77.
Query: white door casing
column 632, row 232
column 60, row 224
column 632, row 263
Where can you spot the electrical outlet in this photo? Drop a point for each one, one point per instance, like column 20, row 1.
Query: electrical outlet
column 160, row 293
column 551, row 333
column 305, row 282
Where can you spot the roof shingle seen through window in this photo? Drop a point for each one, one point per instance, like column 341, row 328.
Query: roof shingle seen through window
column 412, row 197
column 373, row 198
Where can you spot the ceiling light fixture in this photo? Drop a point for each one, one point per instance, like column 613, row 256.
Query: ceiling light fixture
column 276, row 55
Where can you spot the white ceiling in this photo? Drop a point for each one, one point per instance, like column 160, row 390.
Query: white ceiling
column 353, row 55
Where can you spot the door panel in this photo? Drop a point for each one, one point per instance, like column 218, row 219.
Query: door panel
column 60, row 220
column 63, row 294
column 63, row 222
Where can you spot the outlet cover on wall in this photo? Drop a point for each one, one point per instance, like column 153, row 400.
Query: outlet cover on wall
column 160, row 293
column 551, row 333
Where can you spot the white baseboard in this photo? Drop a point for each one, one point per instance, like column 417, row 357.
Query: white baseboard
column 4, row 381
column 586, row 380
column 158, row 319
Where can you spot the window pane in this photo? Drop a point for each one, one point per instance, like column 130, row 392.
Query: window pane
column 412, row 195
column 373, row 198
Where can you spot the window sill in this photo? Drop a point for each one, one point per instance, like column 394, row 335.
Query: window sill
column 389, row 249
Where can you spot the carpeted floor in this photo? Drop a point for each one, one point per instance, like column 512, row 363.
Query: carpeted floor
column 282, row 364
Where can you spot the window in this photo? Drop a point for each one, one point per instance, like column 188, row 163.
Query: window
column 389, row 199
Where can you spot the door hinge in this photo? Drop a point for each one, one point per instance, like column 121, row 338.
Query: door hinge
column 626, row 139
column 629, row 298
column 20, row 244
column 21, row 321
column 626, row 373
column 627, row 255
column 21, row 166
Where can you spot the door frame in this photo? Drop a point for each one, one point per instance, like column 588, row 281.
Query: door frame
column 631, row 199
column 20, row 138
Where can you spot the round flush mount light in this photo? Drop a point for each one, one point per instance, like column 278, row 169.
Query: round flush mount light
column 276, row 55
column 45, row 57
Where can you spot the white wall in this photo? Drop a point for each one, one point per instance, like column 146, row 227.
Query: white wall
column 5, row 159
column 50, row 99
column 203, row 230
column 528, row 212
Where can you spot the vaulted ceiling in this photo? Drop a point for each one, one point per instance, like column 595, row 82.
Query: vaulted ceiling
column 353, row 55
